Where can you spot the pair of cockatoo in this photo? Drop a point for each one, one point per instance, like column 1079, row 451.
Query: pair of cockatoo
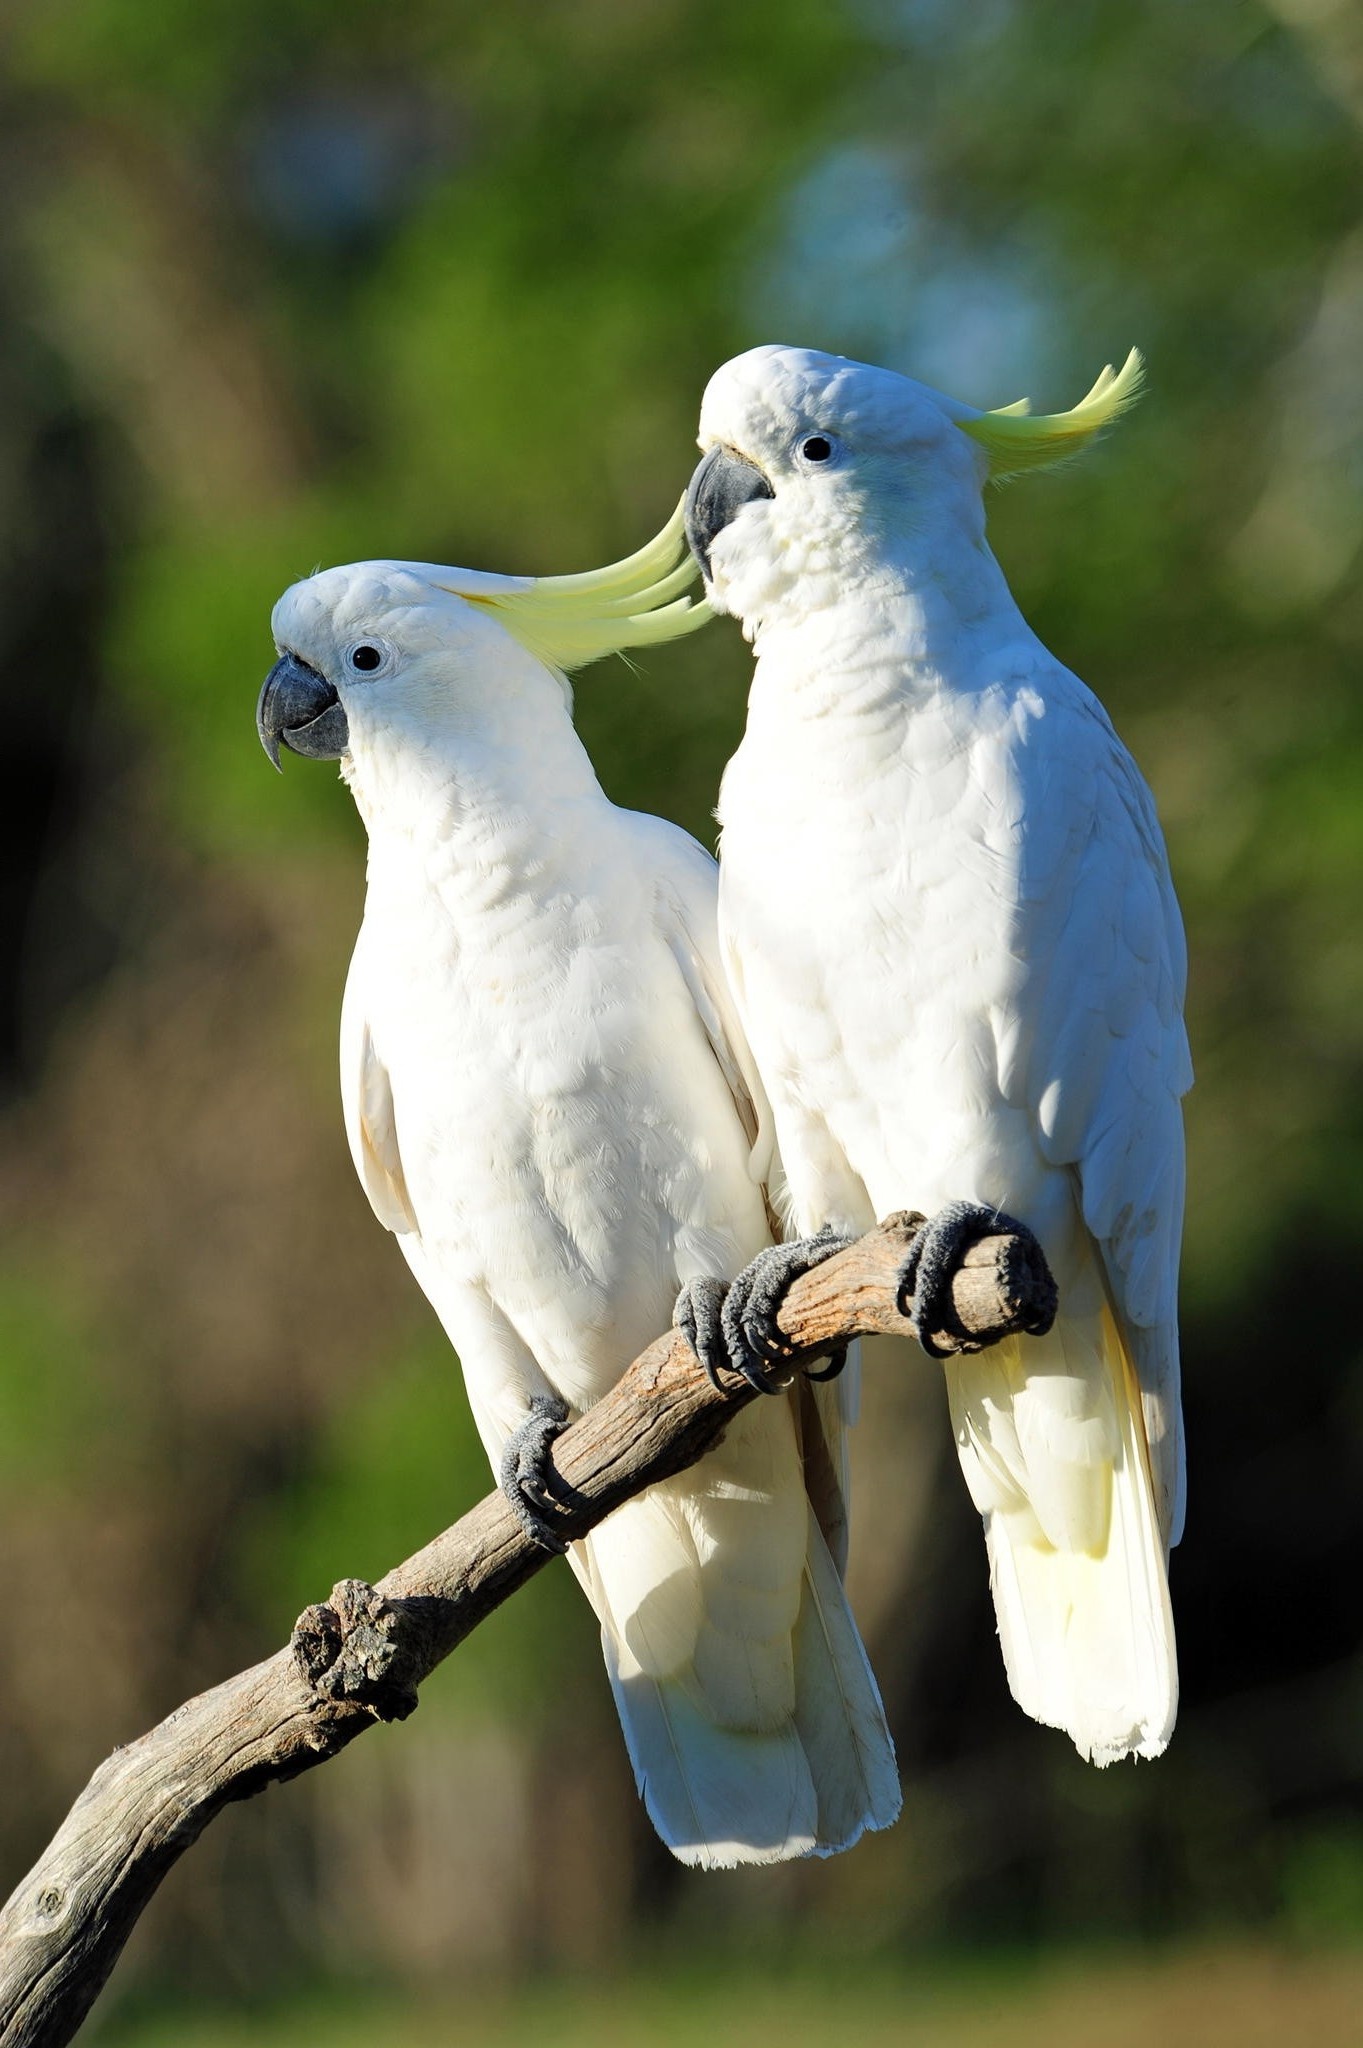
column 940, row 968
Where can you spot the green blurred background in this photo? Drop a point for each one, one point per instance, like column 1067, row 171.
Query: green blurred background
column 286, row 283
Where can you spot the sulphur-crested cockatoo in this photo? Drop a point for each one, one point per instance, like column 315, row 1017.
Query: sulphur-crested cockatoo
column 548, row 1100
column 947, row 917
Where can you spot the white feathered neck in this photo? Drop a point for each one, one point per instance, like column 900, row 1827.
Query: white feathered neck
column 487, row 758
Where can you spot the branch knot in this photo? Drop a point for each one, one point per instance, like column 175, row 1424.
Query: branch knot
column 356, row 1647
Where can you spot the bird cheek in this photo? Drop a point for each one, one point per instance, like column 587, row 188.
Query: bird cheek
column 758, row 564
column 742, row 560
column 725, row 567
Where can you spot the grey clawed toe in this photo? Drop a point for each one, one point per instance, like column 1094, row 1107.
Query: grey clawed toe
column 527, row 1473
column 933, row 1261
column 736, row 1328
column 698, row 1315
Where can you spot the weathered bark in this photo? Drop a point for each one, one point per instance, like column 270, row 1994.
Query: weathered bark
column 360, row 1657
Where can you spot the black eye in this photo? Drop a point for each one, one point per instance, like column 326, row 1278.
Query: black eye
column 365, row 657
column 816, row 449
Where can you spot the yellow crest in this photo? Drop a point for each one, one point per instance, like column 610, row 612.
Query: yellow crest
column 567, row 621
column 1014, row 439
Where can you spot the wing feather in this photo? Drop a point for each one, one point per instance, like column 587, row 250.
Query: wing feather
column 689, row 913
column 1108, row 1055
column 370, row 1118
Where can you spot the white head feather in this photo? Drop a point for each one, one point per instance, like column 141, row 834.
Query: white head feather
column 861, row 461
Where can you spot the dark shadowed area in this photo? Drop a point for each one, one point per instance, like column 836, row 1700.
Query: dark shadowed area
column 285, row 284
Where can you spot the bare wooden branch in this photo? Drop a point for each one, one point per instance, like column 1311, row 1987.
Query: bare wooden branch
column 360, row 1657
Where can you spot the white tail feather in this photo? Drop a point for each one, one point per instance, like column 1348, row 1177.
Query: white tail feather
column 749, row 1709
column 838, row 1711
column 717, row 1796
column 1052, row 1442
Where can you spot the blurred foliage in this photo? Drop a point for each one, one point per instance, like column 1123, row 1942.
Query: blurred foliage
column 291, row 284
column 55, row 1417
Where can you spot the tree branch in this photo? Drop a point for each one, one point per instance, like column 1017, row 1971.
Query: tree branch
column 360, row 1657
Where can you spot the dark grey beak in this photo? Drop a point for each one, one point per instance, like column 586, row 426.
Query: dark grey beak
column 299, row 707
column 723, row 483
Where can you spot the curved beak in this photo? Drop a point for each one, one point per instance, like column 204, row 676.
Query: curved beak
column 300, row 708
column 723, row 483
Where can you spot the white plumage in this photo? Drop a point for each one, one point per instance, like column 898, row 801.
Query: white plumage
column 549, row 1102
column 952, row 937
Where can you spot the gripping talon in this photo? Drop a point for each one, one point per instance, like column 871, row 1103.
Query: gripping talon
column 757, row 1347
column 750, row 1368
column 933, row 1261
column 698, row 1315
column 528, row 1475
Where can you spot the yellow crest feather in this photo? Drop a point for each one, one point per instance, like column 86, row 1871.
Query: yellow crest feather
column 1014, row 438
column 567, row 621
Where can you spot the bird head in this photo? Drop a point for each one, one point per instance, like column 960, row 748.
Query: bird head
column 381, row 649
column 814, row 465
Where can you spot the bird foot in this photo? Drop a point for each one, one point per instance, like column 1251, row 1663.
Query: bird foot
column 934, row 1259
column 698, row 1315
column 735, row 1328
column 532, row 1486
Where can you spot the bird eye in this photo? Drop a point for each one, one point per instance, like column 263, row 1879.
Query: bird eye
column 365, row 657
column 816, row 448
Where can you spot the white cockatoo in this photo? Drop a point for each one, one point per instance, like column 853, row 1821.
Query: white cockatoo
column 951, row 936
column 549, row 1101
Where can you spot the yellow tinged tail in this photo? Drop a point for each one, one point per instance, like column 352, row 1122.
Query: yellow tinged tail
column 1052, row 1442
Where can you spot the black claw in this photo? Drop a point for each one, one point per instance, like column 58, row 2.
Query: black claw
column 528, row 1475
column 837, row 1362
column 934, row 1259
column 698, row 1315
column 755, row 1344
